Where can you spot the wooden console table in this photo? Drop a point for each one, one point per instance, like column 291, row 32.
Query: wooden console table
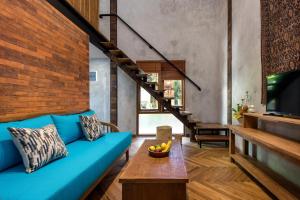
column 150, row 178
column 289, row 149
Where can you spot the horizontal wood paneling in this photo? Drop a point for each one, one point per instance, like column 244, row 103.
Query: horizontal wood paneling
column 43, row 61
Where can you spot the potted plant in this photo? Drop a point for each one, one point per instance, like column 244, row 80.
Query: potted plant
column 241, row 108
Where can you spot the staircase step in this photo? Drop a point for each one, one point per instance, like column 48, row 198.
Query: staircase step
column 123, row 60
column 168, row 98
column 108, row 45
column 116, row 52
column 185, row 113
column 159, row 91
column 132, row 67
column 143, row 77
column 177, row 107
column 151, row 83
column 197, row 122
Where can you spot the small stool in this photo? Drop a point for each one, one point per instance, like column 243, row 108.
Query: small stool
column 164, row 133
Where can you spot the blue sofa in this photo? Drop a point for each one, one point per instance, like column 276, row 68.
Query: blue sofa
column 67, row 178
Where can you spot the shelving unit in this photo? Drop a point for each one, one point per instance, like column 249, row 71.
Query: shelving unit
column 287, row 148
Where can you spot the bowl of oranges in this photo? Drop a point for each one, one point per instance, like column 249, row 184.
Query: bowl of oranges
column 160, row 150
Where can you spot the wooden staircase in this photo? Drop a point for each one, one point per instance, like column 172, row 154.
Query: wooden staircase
column 131, row 68
column 125, row 63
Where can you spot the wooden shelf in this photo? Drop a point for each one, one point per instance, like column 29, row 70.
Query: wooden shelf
column 275, row 143
column 270, row 184
column 286, row 148
column 274, row 119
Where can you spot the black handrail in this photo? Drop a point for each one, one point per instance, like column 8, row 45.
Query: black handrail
column 151, row 47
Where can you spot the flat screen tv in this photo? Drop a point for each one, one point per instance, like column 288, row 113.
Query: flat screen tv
column 283, row 94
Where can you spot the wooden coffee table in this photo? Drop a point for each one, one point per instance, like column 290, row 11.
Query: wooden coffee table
column 147, row 178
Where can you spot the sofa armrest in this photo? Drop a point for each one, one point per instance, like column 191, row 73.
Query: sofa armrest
column 109, row 127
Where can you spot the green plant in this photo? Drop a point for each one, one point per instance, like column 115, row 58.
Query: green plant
column 241, row 108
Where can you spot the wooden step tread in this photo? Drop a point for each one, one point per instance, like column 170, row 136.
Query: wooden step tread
column 211, row 138
column 108, row 45
column 152, row 83
column 142, row 75
column 274, row 187
column 116, row 52
column 158, row 91
column 167, row 98
column 276, row 143
column 176, row 106
column 123, row 60
column 132, row 67
column 197, row 122
column 184, row 112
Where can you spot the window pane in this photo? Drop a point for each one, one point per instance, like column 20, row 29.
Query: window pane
column 149, row 122
column 147, row 101
column 152, row 77
column 173, row 88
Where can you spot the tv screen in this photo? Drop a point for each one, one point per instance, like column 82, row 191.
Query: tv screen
column 283, row 93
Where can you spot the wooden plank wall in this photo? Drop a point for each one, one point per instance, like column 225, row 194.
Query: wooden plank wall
column 89, row 9
column 43, row 61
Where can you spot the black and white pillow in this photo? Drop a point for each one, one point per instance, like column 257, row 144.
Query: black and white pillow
column 38, row 146
column 91, row 127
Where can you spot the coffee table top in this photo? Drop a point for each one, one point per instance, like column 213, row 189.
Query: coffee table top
column 144, row 169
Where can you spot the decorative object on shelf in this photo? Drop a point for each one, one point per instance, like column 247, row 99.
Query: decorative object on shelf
column 241, row 108
column 160, row 150
column 251, row 109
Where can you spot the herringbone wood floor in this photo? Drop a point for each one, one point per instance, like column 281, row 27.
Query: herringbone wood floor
column 212, row 176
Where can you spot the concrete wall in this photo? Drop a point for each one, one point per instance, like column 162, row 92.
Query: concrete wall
column 246, row 67
column 100, row 89
column 181, row 29
column 246, row 52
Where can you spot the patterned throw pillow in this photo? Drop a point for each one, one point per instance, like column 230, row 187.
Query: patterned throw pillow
column 91, row 127
column 38, row 146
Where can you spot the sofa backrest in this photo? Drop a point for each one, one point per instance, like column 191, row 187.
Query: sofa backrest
column 9, row 155
column 69, row 127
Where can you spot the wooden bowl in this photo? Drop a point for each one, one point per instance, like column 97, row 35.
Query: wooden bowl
column 158, row 154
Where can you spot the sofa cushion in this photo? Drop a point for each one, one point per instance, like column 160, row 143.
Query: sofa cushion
column 38, row 147
column 68, row 126
column 91, row 127
column 9, row 155
column 66, row 178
